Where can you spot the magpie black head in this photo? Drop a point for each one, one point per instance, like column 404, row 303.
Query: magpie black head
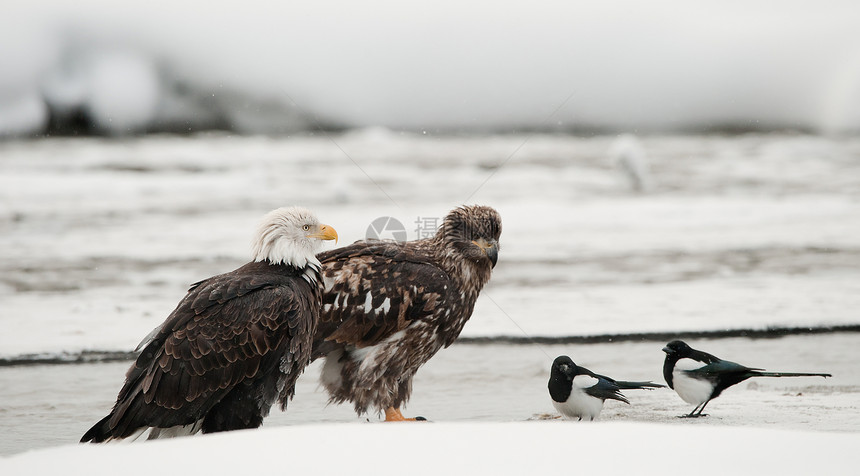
column 677, row 348
column 563, row 365
column 561, row 378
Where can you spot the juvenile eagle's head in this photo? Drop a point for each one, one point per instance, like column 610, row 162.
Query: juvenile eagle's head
column 472, row 232
column 290, row 235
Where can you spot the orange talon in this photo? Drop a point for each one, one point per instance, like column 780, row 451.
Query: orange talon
column 393, row 414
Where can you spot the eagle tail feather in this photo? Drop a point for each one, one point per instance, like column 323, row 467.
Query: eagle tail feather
column 99, row 433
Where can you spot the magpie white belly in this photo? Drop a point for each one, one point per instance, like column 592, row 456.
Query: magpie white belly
column 579, row 405
column 692, row 390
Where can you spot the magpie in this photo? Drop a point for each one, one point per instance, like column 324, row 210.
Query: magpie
column 577, row 392
column 699, row 377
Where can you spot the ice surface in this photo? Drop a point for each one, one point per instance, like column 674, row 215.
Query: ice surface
column 53, row 405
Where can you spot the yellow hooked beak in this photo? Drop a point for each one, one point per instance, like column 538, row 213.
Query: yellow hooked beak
column 491, row 248
column 325, row 232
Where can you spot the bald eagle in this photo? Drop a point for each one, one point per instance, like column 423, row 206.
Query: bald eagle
column 233, row 346
column 388, row 307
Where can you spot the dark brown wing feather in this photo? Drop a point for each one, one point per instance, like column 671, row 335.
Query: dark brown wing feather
column 228, row 329
column 404, row 283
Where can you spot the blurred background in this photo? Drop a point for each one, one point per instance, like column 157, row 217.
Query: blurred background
column 662, row 169
column 279, row 67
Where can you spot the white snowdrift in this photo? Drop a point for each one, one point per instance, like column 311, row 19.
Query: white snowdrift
column 478, row 448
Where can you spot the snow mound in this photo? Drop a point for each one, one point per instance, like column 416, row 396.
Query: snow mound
column 439, row 448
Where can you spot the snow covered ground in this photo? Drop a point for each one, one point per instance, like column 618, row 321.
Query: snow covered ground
column 488, row 448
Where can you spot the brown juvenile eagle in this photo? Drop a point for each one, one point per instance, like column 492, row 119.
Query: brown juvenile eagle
column 233, row 346
column 388, row 307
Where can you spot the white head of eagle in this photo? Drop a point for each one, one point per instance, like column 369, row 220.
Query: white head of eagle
column 291, row 236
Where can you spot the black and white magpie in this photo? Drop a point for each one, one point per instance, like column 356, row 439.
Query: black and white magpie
column 577, row 392
column 699, row 377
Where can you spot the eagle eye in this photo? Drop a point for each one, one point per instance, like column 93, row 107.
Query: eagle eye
column 306, row 227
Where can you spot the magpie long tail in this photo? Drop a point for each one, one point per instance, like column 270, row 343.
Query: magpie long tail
column 788, row 374
column 638, row 385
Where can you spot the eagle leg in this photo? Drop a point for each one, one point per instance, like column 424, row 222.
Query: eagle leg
column 393, row 414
